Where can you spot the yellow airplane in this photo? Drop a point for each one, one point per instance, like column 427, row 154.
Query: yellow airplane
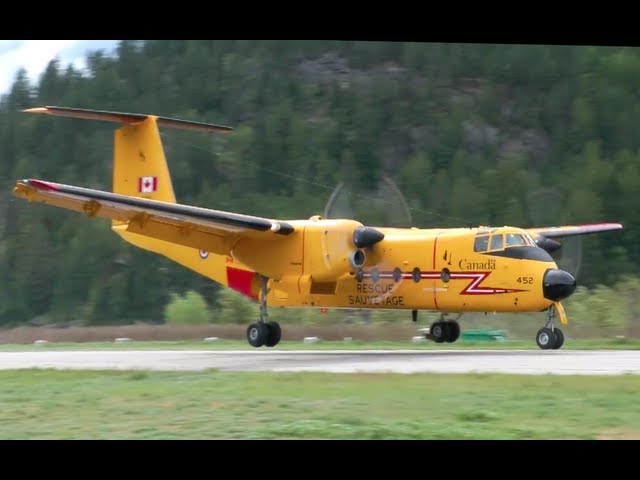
column 317, row 262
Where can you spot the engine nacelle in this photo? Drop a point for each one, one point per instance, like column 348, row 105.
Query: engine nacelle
column 329, row 249
column 548, row 244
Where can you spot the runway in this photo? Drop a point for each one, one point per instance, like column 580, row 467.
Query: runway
column 568, row 362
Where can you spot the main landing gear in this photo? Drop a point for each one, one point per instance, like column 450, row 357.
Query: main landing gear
column 264, row 332
column 550, row 337
column 444, row 330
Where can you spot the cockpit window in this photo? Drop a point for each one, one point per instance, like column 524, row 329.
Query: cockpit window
column 515, row 240
column 481, row 244
column 530, row 240
column 497, row 242
column 492, row 240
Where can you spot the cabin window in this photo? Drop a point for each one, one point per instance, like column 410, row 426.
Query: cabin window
column 481, row 244
column 515, row 240
column 497, row 242
column 417, row 274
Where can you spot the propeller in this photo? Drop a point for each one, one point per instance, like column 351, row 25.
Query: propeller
column 566, row 252
column 385, row 206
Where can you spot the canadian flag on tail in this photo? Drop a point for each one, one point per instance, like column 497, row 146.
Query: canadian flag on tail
column 147, row 184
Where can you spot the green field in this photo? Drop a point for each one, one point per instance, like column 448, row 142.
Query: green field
column 49, row 404
column 596, row 344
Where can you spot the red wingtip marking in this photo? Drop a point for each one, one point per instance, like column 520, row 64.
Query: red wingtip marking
column 42, row 185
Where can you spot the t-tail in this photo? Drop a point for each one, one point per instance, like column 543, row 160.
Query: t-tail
column 139, row 164
column 140, row 169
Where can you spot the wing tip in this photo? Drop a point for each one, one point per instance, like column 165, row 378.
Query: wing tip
column 38, row 184
column 37, row 110
column 606, row 225
column 570, row 230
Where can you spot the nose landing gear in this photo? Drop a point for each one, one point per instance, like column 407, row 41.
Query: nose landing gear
column 550, row 336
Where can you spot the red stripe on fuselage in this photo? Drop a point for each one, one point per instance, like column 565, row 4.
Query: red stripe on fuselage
column 473, row 288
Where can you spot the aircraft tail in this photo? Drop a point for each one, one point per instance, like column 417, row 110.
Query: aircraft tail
column 139, row 165
column 140, row 170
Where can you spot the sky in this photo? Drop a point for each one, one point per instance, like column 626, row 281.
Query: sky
column 35, row 55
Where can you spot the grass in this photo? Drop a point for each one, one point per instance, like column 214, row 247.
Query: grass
column 52, row 404
column 599, row 344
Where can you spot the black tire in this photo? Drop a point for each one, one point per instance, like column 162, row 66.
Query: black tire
column 439, row 332
column 545, row 338
column 454, row 331
column 559, row 338
column 274, row 334
column 257, row 334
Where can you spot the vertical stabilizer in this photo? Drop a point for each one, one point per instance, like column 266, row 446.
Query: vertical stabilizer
column 139, row 164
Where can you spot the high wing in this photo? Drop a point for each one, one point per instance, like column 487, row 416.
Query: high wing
column 211, row 230
column 571, row 230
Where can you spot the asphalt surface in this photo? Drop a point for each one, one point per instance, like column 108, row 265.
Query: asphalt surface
column 569, row 362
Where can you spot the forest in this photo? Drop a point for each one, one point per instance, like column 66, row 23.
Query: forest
column 470, row 134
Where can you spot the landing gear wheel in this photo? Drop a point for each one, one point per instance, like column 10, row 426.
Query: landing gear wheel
column 546, row 338
column 274, row 334
column 258, row 334
column 454, row 331
column 439, row 331
column 263, row 332
column 559, row 338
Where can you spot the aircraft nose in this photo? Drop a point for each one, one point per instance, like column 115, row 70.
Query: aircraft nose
column 558, row 284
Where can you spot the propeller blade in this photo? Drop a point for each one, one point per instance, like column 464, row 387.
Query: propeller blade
column 339, row 204
column 569, row 256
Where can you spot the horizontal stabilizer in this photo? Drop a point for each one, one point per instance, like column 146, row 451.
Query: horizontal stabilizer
column 128, row 118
